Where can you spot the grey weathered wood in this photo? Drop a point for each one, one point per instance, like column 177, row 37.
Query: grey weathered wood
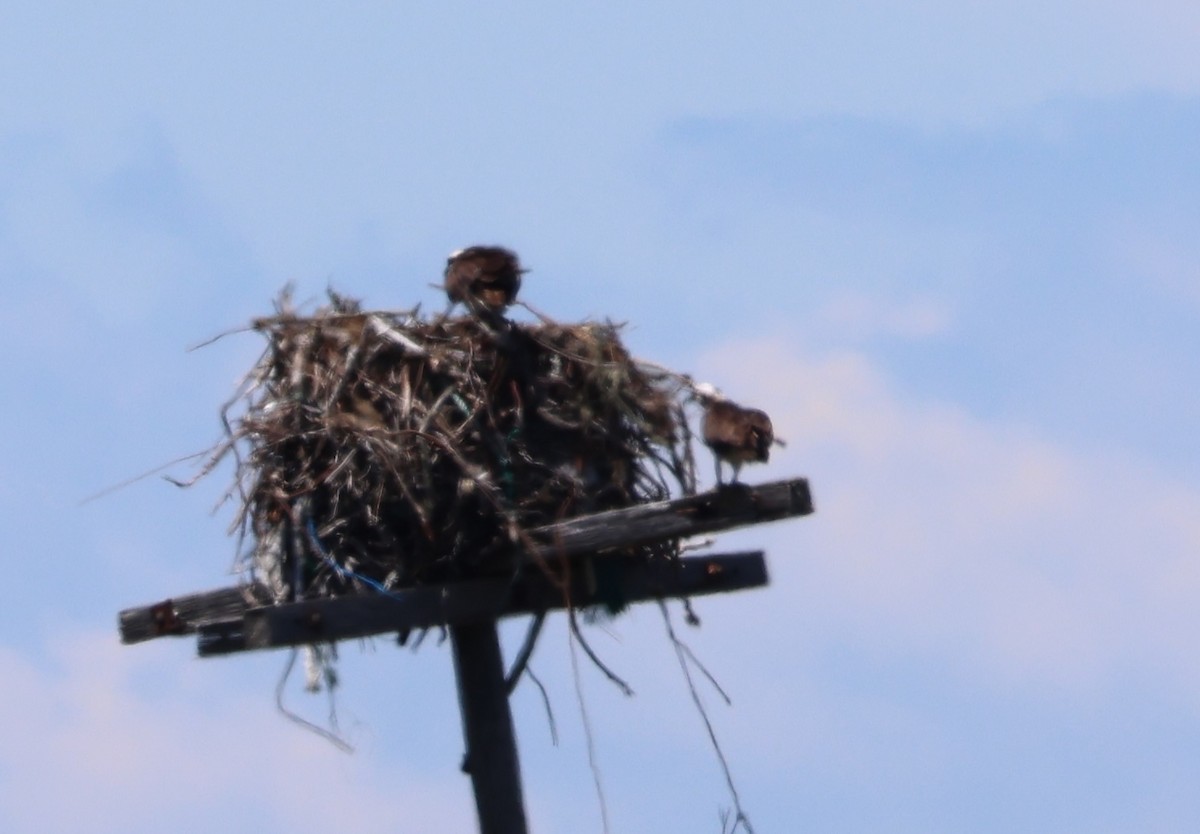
column 182, row 614
column 721, row 509
column 474, row 601
column 491, row 758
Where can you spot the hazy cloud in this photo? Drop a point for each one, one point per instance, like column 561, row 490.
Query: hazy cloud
column 1024, row 561
column 132, row 756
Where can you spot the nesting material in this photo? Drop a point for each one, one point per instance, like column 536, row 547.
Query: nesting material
column 382, row 449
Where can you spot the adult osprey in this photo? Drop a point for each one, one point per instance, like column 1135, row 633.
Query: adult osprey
column 736, row 435
column 483, row 277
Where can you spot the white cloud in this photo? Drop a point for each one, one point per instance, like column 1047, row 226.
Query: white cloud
column 1012, row 557
column 82, row 723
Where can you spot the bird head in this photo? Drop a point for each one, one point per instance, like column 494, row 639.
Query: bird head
column 483, row 277
column 707, row 393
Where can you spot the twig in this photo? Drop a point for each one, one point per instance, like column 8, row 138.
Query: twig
column 704, row 671
column 108, row 490
column 546, row 702
column 682, row 655
column 212, row 340
column 522, row 659
column 587, row 733
column 332, row 738
column 625, row 688
column 382, row 328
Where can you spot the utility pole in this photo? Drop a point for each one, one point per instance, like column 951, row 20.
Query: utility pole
column 491, row 757
column 242, row 618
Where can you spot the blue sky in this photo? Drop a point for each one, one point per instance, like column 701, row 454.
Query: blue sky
column 950, row 248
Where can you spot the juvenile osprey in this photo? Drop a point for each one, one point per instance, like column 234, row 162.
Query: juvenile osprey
column 736, row 435
column 486, row 277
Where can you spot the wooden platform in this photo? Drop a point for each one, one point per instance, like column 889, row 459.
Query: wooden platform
column 240, row 618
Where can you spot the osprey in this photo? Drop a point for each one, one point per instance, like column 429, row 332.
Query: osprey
column 736, row 435
column 483, row 277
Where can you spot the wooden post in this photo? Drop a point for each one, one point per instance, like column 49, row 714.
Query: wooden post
column 491, row 759
column 245, row 618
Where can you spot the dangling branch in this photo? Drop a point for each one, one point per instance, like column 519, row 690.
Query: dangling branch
column 522, row 659
column 587, row 734
column 682, row 653
column 332, row 738
column 546, row 702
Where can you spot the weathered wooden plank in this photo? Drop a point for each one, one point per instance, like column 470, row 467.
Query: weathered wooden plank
column 222, row 637
column 474, row 601
column 182, row 614
column 721, row 509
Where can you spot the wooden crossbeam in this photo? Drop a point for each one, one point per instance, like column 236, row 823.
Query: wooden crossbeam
column 598, row 534
column 182, row 615
column 478, row 601
column 579, row 562
column 709, row 512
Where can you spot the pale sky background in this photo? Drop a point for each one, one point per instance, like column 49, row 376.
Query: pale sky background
column 951, row 247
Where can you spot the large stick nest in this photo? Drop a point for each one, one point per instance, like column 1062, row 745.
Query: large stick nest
column 390, row 449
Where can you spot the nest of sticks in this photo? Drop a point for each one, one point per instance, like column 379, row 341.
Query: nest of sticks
column 388, row 449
